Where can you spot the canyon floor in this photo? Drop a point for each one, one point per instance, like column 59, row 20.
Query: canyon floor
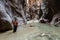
column 33, row 31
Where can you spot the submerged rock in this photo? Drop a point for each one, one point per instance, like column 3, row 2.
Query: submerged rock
column 44, row 36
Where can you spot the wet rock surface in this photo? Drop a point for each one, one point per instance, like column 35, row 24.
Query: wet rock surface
column 4, row 26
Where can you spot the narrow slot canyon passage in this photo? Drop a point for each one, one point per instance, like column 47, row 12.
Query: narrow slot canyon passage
column 29, row 19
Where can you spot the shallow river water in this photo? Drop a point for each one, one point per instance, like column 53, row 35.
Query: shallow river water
column 37, row 31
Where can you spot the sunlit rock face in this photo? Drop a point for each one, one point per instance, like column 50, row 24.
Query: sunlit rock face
column 3, row 12
column 5, row 17
column 8, row 10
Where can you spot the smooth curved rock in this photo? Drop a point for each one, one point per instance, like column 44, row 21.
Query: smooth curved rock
column 4, row 26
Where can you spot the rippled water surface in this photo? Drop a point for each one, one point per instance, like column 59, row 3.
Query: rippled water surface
column 38, row 31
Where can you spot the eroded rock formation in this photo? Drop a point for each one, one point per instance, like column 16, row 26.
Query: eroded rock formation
column 19, row 8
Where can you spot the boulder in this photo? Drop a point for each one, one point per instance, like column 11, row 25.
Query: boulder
column 4, row 26
column 56, row 19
